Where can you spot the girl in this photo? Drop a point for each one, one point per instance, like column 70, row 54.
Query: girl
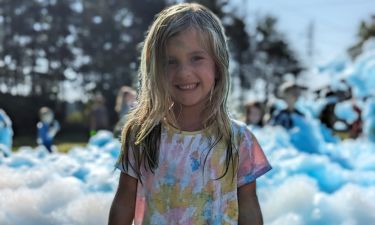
column 183, row 160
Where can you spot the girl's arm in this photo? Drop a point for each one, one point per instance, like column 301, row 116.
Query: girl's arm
column 248, row 205
column 123, row 205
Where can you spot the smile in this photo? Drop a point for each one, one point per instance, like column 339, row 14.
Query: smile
column 186, row 87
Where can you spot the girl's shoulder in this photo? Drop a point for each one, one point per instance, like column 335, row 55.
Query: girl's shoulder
column 240, row 131
column 239, row 127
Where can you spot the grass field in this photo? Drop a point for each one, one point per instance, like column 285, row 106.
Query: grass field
column 63, row 142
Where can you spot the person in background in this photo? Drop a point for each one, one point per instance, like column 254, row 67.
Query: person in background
column 330, row 120
column 99, row 119
column 254, row 113
column 184, row 160
column 125, row 101
column 47, row 128
column 289, row 92
column 356, row 127
column 327, row 115
column 6, row 134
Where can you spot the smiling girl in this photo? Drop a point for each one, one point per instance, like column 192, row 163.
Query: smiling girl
column 184, row 160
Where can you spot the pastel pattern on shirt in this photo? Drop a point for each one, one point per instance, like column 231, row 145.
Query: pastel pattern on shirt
column 184, row 189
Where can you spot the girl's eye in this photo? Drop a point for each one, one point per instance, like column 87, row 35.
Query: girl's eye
column 197, row 58
column 172, row 62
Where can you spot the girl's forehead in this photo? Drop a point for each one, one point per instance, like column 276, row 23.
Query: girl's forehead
column 189, row 38
column 180, row 37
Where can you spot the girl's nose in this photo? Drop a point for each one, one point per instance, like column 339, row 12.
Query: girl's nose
column 184, row 69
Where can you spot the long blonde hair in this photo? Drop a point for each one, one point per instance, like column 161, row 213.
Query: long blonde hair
column 142, row 131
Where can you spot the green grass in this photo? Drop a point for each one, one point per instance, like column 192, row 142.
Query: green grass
column 65, row 147
column 63, row 143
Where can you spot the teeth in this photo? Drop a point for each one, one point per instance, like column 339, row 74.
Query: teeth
column 187, row 86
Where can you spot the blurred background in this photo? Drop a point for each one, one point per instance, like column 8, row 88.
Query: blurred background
column 303, row 79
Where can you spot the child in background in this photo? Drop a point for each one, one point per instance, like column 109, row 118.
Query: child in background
column 290, row 92
column 125, row 101
column 254, row 113
column 6, row 134
column 47, row 128
column 99, row 117
column 184, row 160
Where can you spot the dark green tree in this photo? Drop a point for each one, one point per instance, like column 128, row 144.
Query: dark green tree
column 36, row 50
column 47, row 42
column 109, row 36
column 272, row 58
column 365, row 31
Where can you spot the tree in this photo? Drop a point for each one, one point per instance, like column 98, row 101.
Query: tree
column 46, row 43
column 272, row 58
column 366, row 31
column 35, row 49
column 109, row 36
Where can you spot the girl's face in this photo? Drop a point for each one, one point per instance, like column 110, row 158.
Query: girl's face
column 47, row 117
column 190, row 70
column 254, row 115
column 291, row 98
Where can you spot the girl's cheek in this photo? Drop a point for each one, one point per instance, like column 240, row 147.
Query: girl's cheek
column 171, row 70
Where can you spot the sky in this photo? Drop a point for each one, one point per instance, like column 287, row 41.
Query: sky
column 335, row 22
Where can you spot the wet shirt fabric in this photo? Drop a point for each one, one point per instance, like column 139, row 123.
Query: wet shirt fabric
column 184, row 189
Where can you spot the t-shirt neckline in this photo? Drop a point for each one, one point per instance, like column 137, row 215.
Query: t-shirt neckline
column 170, row 127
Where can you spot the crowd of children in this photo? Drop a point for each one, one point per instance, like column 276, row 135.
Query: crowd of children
column 256, row 113
column 260, row 113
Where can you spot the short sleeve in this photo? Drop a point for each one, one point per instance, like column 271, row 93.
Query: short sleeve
column 252, row 160
column 120, row 164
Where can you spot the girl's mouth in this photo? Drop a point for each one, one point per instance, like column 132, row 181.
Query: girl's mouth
column 187, row 87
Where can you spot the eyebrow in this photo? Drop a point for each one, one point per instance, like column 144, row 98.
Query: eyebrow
column 197, row 52
column 193, row 53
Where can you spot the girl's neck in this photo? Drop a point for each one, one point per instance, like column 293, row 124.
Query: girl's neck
column 189, row 125
column 188, row 120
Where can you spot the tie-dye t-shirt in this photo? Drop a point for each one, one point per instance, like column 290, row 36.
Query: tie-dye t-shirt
column 184, row 189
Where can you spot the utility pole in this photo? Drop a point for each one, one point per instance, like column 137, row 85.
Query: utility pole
column 310, row 42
